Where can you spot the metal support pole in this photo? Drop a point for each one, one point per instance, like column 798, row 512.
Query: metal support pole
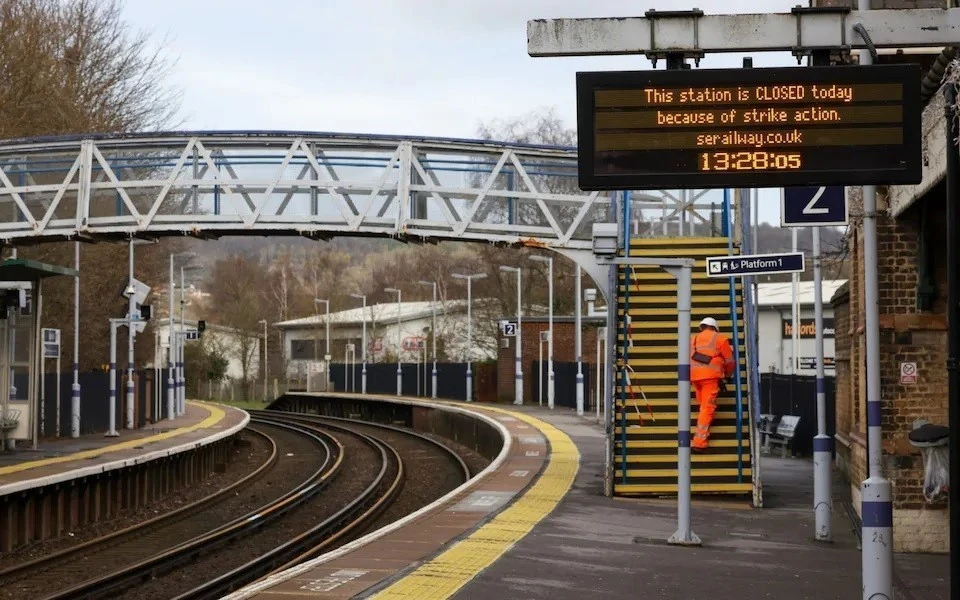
column 433, row 381
column 326, row 355
column 953, row 334
column 684, row 535
column 131, row 317
column 578, row 348
column 822, row 456
column 171, row 411
column 75, row 389
column 876, row 510
column 469, row 341
column 266, row 360
column 112, row 431
column 182, row 341
column 399, row 347
column 794, row 310
column 540, row 374
column 518, row 384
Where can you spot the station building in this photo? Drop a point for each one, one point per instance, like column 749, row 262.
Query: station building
column 913, row 328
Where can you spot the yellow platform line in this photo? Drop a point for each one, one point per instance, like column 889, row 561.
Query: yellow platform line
column 216, row 415
column 451, row 570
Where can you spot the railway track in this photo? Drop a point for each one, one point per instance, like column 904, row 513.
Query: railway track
column 137, row 547
column 297, row 525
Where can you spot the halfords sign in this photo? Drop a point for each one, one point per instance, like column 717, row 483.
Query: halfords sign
column 808, row 330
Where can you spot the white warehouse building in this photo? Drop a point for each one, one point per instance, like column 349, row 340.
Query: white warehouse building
column 305, row 344
column 774, row 315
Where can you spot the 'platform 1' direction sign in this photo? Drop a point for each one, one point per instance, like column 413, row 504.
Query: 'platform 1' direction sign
column 755, row 264
column 814, row 207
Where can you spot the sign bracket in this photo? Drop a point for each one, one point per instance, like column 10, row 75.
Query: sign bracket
column 672, row 55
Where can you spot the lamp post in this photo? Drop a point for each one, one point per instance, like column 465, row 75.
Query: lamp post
column 550, row 387
column 266, row 361
column 326, row 352
column 363, row 343
column 518, row 383
column 173, row 405
column 433, row 378
column 469, row 354
column 578, row 343
column 399, row 339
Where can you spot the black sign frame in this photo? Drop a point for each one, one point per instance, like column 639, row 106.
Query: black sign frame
column 849, row 173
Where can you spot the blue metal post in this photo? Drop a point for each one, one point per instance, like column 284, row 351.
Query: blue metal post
column 625, row 196
column 736, row 341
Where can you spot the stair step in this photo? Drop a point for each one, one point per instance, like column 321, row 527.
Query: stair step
column 696, row 488
column 664, row 473
column 671, row 444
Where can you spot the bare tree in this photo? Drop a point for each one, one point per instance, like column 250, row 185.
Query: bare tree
column 236, row 284
column 72, row 66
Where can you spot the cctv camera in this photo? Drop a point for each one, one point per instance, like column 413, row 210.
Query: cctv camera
column 129, row 291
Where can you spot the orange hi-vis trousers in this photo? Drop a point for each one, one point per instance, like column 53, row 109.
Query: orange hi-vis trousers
column 707, row 391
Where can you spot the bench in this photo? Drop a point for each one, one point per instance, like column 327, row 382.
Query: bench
column 767, row 427
column 783, row 436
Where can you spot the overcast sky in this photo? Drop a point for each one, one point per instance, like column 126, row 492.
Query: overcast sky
column 416, row 67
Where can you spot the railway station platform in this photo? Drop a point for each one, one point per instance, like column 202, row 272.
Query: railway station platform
column 555, row 536
column 68, row 482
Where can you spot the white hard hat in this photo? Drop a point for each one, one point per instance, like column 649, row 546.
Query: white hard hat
column 709, row 321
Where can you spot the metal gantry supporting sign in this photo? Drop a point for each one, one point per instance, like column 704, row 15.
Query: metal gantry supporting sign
column 702, row 148
column 814, row 206
column 754, row 264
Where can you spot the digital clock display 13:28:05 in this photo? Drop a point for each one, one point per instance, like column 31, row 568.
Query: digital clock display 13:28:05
column 747, row 161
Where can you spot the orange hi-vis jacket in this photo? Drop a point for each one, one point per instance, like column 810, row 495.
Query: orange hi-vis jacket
column 717, row 347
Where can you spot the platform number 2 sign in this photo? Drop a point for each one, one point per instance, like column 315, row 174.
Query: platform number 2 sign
column 508, row 328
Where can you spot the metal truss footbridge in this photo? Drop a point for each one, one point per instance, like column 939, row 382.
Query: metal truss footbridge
column 319, row 185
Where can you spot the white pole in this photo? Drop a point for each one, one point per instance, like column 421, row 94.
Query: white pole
column 876, row 492
column 599, row 377
column 578, row 326
column 794, row 309
column 58, row 392
column 131, row 319
column 181, row 342
column 399, row 347
column 112, row 431
column 326, row 356
column 540, row 374
column 550, row 388
column 266, row 359
column 171, row 411
column 469, row 342
column 43, row 394
column 822, row 494
column 363, row 343
column 75, row 390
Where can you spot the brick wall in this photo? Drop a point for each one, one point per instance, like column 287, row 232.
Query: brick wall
column 563, row 351
column 907, row 334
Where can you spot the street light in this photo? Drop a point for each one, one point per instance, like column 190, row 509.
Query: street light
column 469, row 279
column 363, row 343
column 434, row 331
column 266, row 361
column 549, row 261
column 399, row 339
column 518, row 383
column 326, row 353
column 173, row 353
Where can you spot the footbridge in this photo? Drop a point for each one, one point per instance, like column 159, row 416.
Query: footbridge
column 319, row 185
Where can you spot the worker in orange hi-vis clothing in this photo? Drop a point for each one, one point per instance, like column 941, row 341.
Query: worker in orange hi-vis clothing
column 711, row 361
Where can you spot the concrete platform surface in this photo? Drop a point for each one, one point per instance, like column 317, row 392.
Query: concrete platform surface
column 595, row 547
column 67, row 458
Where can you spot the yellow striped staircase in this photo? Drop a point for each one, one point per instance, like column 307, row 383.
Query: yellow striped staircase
column 645, row 445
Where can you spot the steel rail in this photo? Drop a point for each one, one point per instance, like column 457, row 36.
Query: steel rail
column 19, row 571
column 365, row 507
column 162, row 562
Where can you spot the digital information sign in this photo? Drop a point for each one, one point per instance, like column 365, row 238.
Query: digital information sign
column 772, row 127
